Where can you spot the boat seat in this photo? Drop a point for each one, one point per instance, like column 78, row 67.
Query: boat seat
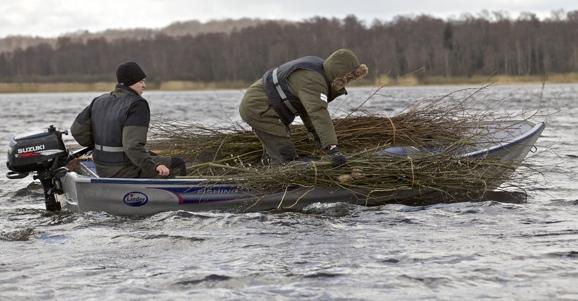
column 88, row 168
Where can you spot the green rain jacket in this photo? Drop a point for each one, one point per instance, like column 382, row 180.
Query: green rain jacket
column 311, row 89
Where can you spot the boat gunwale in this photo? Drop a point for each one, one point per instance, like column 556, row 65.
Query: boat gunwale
column 538, row 128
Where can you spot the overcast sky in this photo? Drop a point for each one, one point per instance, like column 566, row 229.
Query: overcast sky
column 55, row 17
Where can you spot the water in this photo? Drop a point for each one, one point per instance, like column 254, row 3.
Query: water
column 485, row 250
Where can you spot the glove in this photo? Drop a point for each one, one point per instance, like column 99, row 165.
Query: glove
column 336, row 157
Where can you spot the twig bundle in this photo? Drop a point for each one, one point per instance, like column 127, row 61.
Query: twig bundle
column 432, row 124
column 223, row 154
column 368, row 173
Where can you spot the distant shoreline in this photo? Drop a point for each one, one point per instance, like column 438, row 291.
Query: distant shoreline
column 407, row 81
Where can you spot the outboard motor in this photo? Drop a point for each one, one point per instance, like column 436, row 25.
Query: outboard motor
column 44, row 154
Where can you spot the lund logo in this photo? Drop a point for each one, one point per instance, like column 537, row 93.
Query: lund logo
column 135, row 199
column 32, row 148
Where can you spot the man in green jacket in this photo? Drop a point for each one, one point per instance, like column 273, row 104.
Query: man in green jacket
column 302, row 87
column 116, row 125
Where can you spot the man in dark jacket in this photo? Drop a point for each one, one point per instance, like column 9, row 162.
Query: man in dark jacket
column 116, row 125
column 302, row 87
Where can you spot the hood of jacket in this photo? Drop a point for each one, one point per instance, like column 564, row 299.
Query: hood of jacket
column 339, row 63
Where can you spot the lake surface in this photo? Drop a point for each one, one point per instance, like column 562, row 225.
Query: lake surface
column 472, row 251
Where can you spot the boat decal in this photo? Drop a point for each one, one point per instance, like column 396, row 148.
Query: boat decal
column 31, row 149
column 36, row 151
column 50, row 152
column 204, row 194
column 135, row 199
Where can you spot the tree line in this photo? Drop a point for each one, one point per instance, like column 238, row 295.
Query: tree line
column 179, row 28
column 422, row 45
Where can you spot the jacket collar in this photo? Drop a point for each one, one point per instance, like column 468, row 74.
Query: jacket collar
column 124, row 89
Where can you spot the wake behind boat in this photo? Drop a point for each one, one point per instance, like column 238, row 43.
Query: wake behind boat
column 81, row 189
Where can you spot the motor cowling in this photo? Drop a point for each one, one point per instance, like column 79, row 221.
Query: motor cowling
column 35, row 152
column 45, row 154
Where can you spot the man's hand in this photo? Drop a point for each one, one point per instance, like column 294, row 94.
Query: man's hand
column 336, row 157
column 163, row 170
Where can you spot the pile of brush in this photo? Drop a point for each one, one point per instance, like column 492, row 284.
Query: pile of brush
column 234, row 153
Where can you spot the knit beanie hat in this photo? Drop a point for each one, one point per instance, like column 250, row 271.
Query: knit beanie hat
column 129, row 74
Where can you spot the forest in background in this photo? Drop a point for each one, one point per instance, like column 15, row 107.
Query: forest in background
column 483, row 45
column 180, row 28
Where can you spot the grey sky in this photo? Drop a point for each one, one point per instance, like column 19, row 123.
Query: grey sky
column 55, row 17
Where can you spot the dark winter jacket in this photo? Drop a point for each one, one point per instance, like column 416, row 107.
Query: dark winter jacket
column 116, row 125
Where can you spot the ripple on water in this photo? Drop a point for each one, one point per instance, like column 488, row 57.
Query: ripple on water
column 17, row 234
column 32, row 190
column 207, row 280
column 52, row 239
column 330, row 209
column 430, row 282
column 564, row 255
column 562, row 203
column 317, row 275
column 171, row 237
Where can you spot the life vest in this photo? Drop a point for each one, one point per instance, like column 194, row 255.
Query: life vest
column 276, row 85
column 108, row 114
